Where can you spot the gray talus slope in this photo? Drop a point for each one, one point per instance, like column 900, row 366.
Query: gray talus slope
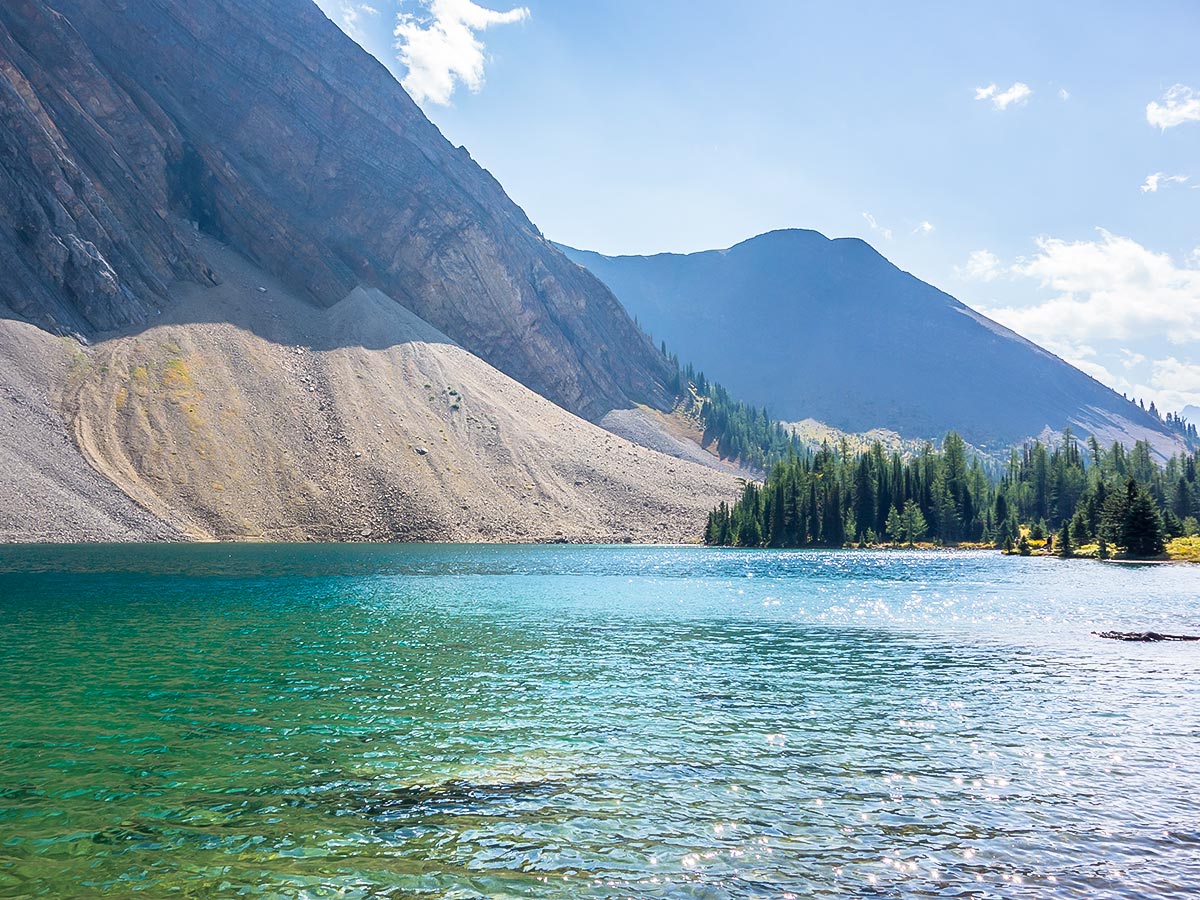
column 48, row 492
column 829, row 329
column 244, row 414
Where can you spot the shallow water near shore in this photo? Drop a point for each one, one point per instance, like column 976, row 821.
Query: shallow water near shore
column 464, row 722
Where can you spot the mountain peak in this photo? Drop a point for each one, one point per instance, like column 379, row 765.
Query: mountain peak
column 830, row 329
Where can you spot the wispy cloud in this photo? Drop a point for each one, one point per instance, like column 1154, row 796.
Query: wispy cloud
column 1178, row 105
column 1017, row 94
column 1132, row 359
column 348, row 15
column 876, row 227
column 924, row 227
column 1064, row 94
column 981, row 265
column 440, row 48
column 1161, row 179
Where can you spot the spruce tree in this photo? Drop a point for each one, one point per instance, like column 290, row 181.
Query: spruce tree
column 895, row 526
column 1065, row 548
column 1004, row 535
column 1079, row 528
column 913, row 523
column 1142, row 530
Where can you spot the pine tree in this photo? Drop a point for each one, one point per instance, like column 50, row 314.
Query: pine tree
column 1065, row 548
column 1004, row 535
column 1079, row 527
column 895, row 527
column 864, row 498
column 1141, row 530
column 913, row 524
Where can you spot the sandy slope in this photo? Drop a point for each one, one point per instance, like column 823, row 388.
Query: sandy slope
column 249, row 414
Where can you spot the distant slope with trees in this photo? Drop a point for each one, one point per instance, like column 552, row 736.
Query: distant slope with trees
column 1084, row 493
column 828, row 329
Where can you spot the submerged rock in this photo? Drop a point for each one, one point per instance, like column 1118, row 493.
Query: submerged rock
column 1147, row 637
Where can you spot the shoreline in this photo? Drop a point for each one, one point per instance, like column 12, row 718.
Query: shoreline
column 570, row 542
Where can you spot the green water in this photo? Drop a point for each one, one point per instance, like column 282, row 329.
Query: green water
column 463, row 722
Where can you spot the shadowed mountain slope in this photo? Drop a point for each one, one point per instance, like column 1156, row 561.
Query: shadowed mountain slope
column 265, row 126
column 830, row 330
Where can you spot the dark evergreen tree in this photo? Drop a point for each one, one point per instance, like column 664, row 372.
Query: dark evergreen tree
column 812, row 498
column 1065, row 547
column 1141, row 530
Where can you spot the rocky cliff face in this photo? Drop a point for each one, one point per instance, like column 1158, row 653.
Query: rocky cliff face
column 85, row 238
column 261, row 124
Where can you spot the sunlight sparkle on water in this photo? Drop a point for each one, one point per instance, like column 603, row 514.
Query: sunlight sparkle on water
column 592, row 722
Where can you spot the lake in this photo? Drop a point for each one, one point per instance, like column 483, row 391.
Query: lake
column 465, row 722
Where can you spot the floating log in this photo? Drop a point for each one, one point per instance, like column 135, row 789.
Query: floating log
column 1144, row 636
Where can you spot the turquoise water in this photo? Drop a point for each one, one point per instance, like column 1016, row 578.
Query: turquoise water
column 465, row 722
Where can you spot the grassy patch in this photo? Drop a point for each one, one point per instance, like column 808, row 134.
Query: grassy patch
column 139, row 378
column 1185, row 549
column 177, row 377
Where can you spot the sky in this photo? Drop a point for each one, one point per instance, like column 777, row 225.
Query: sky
column 1041, row 162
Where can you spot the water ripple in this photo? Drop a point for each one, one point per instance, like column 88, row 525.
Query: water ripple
column 467, row 722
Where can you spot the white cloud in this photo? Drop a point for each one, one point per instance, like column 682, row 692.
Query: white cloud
column 440, row 50
column 924, row 227
column 1176, row 384
column 1018, row 94
column 982, row 265
column 1179, row 104
column 1131, row 359
column 1064, row 94
column 1108, row 289
column 876, row 227
column 1161, row 179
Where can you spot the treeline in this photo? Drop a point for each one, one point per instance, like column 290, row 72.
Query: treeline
column 739, row 432
column 830, row 499
column 1173, row 421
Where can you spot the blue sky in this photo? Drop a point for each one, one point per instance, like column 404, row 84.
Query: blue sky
column 1039, row 161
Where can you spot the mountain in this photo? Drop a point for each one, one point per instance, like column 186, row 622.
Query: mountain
column 251, row 291
column 1192, row 414
column 270, row 130
column 830, row 330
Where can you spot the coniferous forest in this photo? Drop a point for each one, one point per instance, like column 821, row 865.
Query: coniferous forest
column 1070, row 493
column 734, row 429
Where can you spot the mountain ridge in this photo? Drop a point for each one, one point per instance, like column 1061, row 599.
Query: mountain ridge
column 828, row 328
